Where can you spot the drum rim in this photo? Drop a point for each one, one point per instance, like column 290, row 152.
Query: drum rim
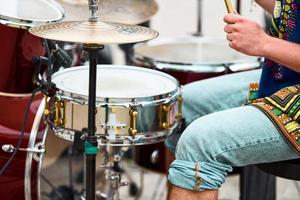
column 205, row 67
column 28, row 23
column 126, row 102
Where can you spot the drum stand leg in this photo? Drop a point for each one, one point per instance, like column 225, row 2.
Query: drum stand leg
column 90, row 139
column 113, row 172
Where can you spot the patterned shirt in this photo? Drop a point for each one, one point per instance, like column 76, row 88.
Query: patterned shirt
column 286, row 26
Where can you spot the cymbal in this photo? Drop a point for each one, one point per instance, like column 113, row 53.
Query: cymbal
column 93, row 32
column 122, row 11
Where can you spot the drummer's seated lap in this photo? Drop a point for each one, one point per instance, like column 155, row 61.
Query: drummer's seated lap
column 214, row 143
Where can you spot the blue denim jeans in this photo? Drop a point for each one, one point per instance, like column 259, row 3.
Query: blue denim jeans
column 221, row 133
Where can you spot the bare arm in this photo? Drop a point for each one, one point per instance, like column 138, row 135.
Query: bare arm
column 268, row 5
column 283, row 52
column 248, row 37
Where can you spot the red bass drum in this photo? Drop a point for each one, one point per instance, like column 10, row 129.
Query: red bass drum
column 18, row 47
column 12, row 181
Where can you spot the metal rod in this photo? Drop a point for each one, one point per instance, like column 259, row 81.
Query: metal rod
column 199, row 19
column 93, row 7
column 90, row 158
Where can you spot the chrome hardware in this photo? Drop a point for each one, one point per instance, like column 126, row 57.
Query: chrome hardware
column 9, row 148
column 93, row 7
column 154, row 157
column 109, row 126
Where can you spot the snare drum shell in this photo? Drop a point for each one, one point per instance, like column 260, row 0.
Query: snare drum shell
column 149, row 120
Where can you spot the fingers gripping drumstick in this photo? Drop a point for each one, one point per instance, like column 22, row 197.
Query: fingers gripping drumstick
column 229, row 6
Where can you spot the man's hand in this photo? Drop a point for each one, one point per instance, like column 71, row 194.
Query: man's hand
column 245, row 35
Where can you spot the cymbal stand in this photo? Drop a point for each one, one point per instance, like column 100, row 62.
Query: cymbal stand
column 91, row 145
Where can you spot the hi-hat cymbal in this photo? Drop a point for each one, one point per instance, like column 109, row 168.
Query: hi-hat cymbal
column 94, row 32
column 122, row 11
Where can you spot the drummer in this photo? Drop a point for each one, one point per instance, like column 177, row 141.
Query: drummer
column 214, row 142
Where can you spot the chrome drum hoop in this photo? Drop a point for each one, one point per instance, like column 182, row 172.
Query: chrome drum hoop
column 124, row 102
column 141, row 58
column 32, row 156
column 140, row 139
column 28, row 23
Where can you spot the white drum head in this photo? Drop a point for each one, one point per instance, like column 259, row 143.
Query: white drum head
column 116, row 82
column 191, row 51
column 29, row 12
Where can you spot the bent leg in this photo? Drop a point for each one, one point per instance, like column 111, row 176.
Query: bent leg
column 217, row 142
column 211, row 95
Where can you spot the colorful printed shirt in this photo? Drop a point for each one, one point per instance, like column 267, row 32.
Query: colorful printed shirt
column 283, row 107
column 286, row 26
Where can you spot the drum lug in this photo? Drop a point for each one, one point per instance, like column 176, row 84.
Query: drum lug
column 46, row 110
column 180, row 102
column 166, row 110
column 133, row 122
column 59, row 113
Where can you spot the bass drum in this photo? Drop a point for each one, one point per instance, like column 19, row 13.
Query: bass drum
column 20, row 177
column 18, row 46
column 188, row 59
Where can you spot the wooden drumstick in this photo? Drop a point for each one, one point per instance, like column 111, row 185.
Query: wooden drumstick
column 229, row 6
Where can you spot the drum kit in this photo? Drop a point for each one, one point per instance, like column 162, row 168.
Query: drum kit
column 107, row 107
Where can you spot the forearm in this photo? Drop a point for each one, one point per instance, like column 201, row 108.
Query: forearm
column 283, row 52
column 268, row 5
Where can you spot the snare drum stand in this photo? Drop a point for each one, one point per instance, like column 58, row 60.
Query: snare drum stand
column 113, row 172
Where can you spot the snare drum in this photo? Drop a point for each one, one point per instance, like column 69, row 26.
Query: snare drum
column 135, row 106
column 17, row 45
column 192, row 58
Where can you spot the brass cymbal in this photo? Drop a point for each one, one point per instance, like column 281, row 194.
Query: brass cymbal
column 122, row 11
column 93, row 32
